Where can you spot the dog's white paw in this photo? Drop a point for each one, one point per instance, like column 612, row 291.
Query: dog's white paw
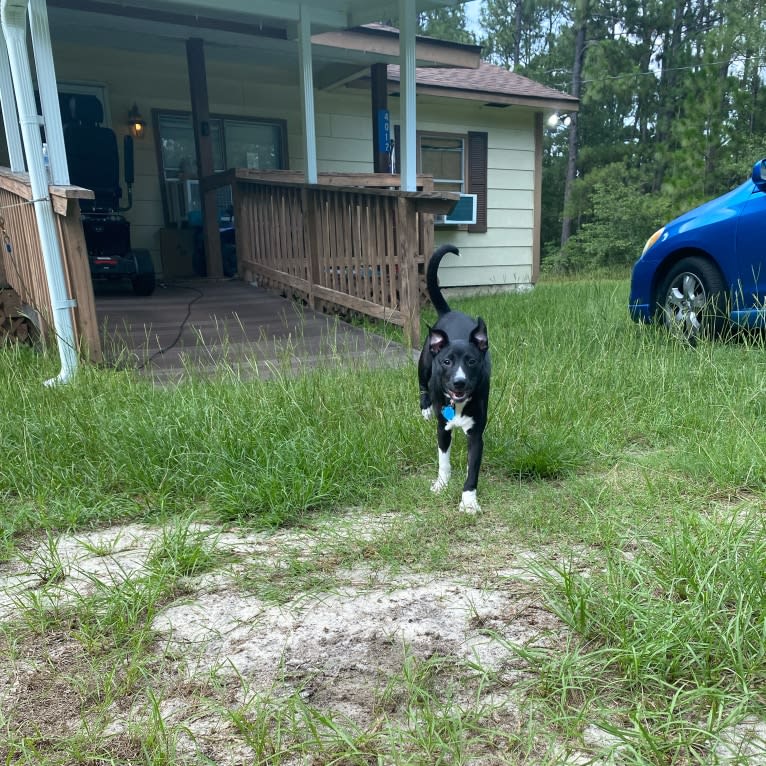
column 427, row 413
column 440, row 483
column 469, row 503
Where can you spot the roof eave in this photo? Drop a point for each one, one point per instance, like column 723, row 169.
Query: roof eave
column 562, row 103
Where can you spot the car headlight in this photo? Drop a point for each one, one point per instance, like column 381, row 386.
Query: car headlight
column 649, row 242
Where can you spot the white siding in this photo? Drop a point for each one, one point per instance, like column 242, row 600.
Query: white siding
column 504, row 254
column 491, row 276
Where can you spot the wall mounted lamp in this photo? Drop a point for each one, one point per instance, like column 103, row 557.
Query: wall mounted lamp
column 136, row 122
column 556, row 120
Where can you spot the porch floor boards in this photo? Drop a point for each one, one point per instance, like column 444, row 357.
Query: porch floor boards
column 205, row 326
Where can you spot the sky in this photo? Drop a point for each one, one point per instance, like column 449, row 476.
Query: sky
column 472, row 14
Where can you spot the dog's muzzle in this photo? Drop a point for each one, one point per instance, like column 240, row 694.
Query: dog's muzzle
column 456, row 397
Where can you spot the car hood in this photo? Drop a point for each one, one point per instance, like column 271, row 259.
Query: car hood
column 721, row 207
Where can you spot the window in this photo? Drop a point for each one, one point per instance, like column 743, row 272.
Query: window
column 237, row 142
column 443, row 158
column 253, row 145
column 457, row 163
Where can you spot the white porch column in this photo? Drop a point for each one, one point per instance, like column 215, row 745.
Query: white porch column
column 49, row 97
column 10, row 115
column 307, row 90
column 14, row 22
column 408, row 150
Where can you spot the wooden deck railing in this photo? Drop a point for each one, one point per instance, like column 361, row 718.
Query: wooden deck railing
column 21, row 258
column 350, row 242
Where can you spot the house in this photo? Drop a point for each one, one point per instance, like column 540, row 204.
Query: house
column 502, row 249
column 497, row 117
column 251, row 109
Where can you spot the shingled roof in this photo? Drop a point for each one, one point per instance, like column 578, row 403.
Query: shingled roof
column 488, row 83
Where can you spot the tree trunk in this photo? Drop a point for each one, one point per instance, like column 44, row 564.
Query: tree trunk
column 581, row 25
column 517, row 22
column 668, row 90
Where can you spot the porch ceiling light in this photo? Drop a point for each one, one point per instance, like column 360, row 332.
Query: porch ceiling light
column 136, row 122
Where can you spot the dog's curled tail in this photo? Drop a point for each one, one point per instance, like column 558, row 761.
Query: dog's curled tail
column 432, row 281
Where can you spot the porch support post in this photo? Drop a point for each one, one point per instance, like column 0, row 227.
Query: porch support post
column 379, row 98
column 10, row 114
column 14, row 16
column 307, row 89
column 406, row 226
column 407, row 153
column 49, row 97
column 312, row 239
column 203, row 141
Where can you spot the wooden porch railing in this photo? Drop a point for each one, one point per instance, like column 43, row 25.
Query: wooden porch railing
column 21, row 258
column 350, row 242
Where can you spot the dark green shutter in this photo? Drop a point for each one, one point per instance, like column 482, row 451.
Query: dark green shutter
column 477, row 178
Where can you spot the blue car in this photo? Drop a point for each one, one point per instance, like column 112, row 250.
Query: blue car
column 705, row 271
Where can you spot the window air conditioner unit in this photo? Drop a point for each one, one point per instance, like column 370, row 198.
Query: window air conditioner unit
column 464, row 212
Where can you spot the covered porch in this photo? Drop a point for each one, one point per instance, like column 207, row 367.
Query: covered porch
column 335, row 246
column 338, row 241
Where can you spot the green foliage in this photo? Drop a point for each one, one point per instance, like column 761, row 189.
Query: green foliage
column 446, row 24
column 520, row 31
column 671, row 636
column 675, row 89
column 617, row 215
column 442, row 23
column 705, row 603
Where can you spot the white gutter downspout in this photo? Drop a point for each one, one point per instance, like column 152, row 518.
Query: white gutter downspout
column 14, row 16
column 307, row 90
column 10, row 115
column 407, row 152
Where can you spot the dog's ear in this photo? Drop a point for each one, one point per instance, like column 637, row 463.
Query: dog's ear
column 479, row 335
column 437, row 340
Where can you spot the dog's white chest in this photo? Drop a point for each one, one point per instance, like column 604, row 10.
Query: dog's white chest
column 459, row 420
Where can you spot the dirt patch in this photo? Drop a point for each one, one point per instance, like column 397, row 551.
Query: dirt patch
column 337, row 647
column 220, row 671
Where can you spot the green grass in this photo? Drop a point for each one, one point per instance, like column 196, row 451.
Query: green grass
column 576, row 387
column 634, row 464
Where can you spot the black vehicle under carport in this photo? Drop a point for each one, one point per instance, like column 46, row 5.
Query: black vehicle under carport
column 94, row 164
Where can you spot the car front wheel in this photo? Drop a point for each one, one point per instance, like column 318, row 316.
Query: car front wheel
column 691, row 299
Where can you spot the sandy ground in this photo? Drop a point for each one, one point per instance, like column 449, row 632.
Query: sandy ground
column 343, row 648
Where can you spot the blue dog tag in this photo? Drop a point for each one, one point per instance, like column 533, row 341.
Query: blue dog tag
column 448, row 413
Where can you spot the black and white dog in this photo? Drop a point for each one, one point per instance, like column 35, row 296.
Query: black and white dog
column 454, row 371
